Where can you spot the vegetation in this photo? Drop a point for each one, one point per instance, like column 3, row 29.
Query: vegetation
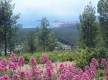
column 40, row 39
column 64, row 30
column 88, row 28
column 103, row 20
column 85, row 45
column 8, row 24
column 29, row 44
column 46, row 38
column 13, row 69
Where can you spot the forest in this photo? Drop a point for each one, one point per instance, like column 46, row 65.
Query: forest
column 70, row 51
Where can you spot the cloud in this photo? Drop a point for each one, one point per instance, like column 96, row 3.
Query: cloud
column 62, row 9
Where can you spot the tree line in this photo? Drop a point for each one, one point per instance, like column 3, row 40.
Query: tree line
column 94, row 29
column 40, row 39
column 8, row 25
column 9, row 28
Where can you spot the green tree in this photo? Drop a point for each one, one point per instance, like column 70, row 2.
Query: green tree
column 12, row 39
column 88, row 30
column 103, row 19
column 7, row 20
column 30, row 44
column 46, row 38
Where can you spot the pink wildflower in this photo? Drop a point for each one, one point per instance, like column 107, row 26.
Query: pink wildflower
column 94, row 61
column 62, row 77
column 106, row 70
column 28, row 75
column 48, row 74
column 6, row 77
column 44, row 58
column 22, row 74
column 87, row 68
column 13, row 57
column 49, row 64
column 12, row 65
column 76, row 77
column 1, row 67
column 33, row 62
column 20, row 61
column 104, row 62
column 15, row 77
column 92, row 74
column 106, row 77
column 85, row 77
column 1, row 78
column 35, row 72
column 92, row 67
column 3, row 64
column 61, row 68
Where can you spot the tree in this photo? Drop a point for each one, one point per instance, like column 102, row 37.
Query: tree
column 87, row 29
column 7, row 20
column 103, row 19
column 31, row 41
column 46, row 38
column 12, row 33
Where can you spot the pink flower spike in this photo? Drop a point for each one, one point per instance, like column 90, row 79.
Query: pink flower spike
column 28, row 75
column 13, row 57
column 76, row 77
column 33, row 62
column 104, row 62
column 85, row 77
column 44, row 58
column 6, row 77
column 94, row 61
column 20, row 61
column 15, row 77
column 11, row 65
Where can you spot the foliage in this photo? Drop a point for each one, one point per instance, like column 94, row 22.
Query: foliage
column 60, row 33
column 12, row 68
column 88, row 31
column 87, row 54
column 8, row 23
column 46, row 38
column 103, row 19
column 29, row 44
column 64, row 30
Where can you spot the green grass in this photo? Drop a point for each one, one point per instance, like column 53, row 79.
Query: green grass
column 82, row 57
column 53, row 56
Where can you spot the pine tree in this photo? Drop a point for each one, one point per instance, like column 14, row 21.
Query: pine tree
column 31, row 41
column 7, row 20
column 45, row 36
column 103, row 19
column 87, row 29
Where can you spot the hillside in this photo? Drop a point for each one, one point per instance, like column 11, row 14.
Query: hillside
column 66, row 33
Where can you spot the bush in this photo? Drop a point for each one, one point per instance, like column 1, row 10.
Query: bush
column 87, row 54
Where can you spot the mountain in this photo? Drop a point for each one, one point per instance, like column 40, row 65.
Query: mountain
column 56, row 23
column 66, row 33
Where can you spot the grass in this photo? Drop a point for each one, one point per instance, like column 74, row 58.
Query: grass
column 82, row 57
column 54, row 56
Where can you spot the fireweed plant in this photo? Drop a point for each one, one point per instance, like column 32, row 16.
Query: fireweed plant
column 11, row 69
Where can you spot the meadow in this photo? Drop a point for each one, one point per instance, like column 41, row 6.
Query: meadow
column 85, row 64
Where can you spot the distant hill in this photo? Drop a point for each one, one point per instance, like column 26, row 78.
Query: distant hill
column 65, row 33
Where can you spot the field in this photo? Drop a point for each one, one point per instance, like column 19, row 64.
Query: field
column 56, row 65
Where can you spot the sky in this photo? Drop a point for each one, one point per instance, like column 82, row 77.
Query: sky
column 60, row 10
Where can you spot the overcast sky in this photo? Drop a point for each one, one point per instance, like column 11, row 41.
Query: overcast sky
column 61, row 10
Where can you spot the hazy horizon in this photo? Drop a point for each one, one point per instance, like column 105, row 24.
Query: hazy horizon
column 60, row 10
